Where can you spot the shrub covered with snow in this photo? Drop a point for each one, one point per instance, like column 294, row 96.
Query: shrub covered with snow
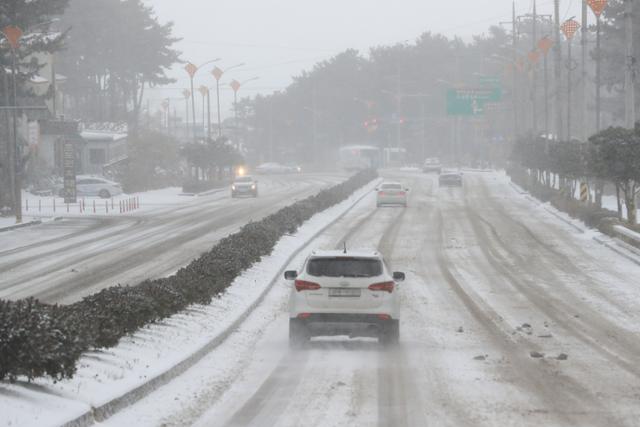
column 46, row 340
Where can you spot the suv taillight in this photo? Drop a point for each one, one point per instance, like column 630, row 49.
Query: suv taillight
column 303, row 285
column 384, row 286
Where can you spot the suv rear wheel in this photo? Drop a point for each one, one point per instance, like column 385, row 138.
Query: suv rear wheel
column 298, row 333
column 390, row 335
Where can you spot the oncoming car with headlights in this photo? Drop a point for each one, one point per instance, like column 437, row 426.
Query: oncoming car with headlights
column 340, row 293
column 244, row 186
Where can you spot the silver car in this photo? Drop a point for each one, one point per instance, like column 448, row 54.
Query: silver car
column 391, row 193
column 94, row 186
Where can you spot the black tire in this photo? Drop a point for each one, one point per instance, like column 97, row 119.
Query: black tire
column 298, row 334
column 390, row 335
column 104, row 194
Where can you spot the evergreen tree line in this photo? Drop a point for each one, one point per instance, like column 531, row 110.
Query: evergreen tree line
column 612, row 155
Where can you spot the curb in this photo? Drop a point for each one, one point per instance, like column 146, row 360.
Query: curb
column 101, row 413
column 23, row 225
column 616, row 245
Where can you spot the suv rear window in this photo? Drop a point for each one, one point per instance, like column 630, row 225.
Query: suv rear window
column 344, row 267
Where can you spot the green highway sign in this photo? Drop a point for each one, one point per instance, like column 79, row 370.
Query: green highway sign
column 471, row 102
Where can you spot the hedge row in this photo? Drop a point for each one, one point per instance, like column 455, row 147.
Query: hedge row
column 38, row 339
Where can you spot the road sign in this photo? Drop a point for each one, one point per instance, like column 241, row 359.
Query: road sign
column 69, row 160
column 569, row 28
column 597, row 6
column 471, row 102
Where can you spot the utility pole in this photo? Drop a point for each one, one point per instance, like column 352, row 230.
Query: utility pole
column 514, row 31
column 629, row 81
column 557, row 50
column 583, row 83
column 534, row 85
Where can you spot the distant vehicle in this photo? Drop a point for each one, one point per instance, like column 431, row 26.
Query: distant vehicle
column 391, row 193
column 93, row 186
column 450, row 179
column 432, row 165
column 359, row 157
column 244, row 186
column 273, row 168
column 344, row 293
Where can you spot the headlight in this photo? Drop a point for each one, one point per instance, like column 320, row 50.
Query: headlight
column 233, row 187
column 253, row 187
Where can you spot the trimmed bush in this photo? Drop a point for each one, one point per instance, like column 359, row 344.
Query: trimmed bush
column 47, row 340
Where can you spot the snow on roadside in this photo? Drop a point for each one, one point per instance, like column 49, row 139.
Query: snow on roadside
column 109, row 374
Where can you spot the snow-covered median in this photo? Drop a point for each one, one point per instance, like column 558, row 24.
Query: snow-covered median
column 110, row 379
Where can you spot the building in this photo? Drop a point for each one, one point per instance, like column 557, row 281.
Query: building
column 103, row 149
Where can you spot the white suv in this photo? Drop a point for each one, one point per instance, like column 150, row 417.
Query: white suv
column 344, row 293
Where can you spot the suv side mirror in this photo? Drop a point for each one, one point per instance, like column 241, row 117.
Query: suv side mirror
column 290, row 275
column 398, row 276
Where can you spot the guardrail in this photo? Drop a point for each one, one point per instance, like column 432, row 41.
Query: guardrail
column 44, row 206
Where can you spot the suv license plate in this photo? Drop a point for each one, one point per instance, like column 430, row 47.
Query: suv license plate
column 344, row 292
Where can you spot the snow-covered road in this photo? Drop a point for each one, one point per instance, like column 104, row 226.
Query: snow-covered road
column 62, row 261
column 510, row 317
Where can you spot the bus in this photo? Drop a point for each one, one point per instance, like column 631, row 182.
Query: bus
column 360, row 157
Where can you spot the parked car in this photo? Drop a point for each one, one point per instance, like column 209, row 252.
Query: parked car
column 244, row 186
column 93, row 186
column 450, row 179
column 391, row 193
column 432, row 164
column 344, row 293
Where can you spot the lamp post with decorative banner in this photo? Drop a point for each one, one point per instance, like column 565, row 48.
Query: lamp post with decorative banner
column 204, row 91
column 598, row 6
column 544, row 45
column 217, row 74
column 191, row 69
column 236, row 85
column 187, row 94
column 13, row 35
column 569, row 29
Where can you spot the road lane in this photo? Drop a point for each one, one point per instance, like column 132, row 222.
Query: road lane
column 496, row 290
column 78, row 261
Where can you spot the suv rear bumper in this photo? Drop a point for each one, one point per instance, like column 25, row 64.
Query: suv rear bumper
column 353, row 325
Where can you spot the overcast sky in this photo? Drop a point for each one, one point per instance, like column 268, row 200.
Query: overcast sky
column 277, row 39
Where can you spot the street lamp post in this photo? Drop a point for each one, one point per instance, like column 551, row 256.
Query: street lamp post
column 598, row 6
column 236, row 85
column 13, row 34
column 187, row 94
column 569, row 28
column 204, row 91
column 217, row 74
column 192, row 69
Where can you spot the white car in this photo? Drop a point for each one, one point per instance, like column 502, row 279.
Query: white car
column 391, row 193
column 273, row 168
column 244, row 186
column 344, row 293
column 94, row 186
